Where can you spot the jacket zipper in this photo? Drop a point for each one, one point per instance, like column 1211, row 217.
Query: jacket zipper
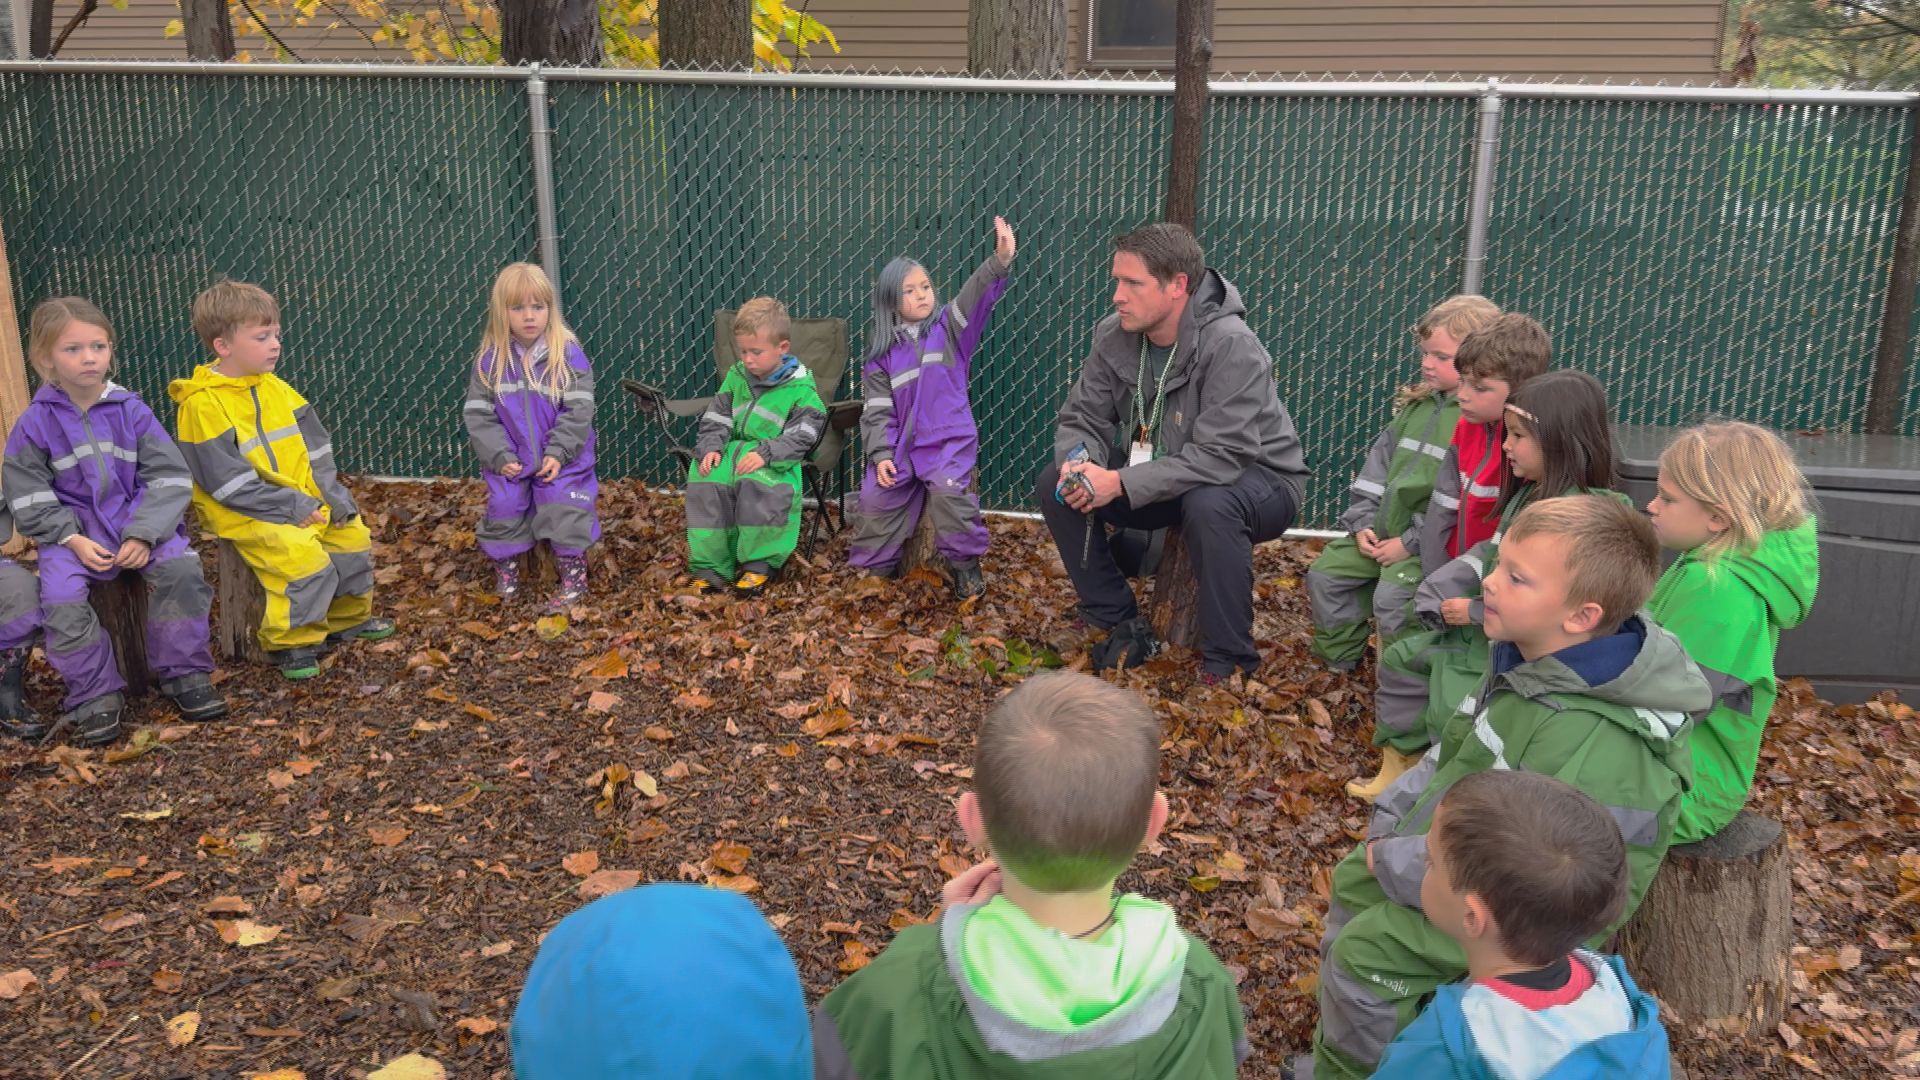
column 260, row 428
column 99, row 456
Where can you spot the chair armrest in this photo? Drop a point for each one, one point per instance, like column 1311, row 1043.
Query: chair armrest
column 845, row 415
column 654, row 401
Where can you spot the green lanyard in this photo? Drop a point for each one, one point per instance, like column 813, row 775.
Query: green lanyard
column 1149, row 420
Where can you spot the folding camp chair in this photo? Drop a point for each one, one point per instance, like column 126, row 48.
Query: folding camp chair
column 821, row 344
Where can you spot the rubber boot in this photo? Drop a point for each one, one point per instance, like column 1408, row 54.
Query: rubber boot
column 1392, row 764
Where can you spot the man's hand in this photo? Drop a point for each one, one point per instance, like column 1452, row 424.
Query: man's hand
column 91, row 555
column 885, row 473
column 1457, row 612
column 133, row 554
column 1368, row 542
column 978, row 884
column 1388, row 552
column 549, row 468
column 748, row 462
column 709, row 463
column 512, row 469
column 1106, row 487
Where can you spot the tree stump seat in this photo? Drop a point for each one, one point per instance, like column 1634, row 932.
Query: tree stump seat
column 239, row 605
column 120, row 603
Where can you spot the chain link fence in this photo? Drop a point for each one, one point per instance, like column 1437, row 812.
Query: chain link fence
column 1699, row 258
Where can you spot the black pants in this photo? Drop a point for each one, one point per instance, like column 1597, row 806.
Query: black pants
column 1221, row 523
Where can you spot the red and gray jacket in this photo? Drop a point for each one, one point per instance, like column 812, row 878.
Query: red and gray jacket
column 1465, row 508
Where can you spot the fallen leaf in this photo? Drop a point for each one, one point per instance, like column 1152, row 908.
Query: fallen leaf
column 181, row 1029
column 693, row 699
column 278, row 1074
column 550, row 627
column 826, row 722
column 646, row 785
column 15, row 983
column 611, row 665
column 581, row 863
column 478, row 1025
column 739, row 883
column 858, row 954
column 227, row 905
column 607, row 882
column 498, row 948
column 412, row 1066
column 60, row 864
column 168, row 981
column 148, row 815
column 246, row 932
column 337, row 989
column 113, row 923
column 301, row 766
column 658, row 733
column 480, row 630
column 279, row 780
column 679, row 770
column 601, row 701
column 388, row 835
column 480, row 713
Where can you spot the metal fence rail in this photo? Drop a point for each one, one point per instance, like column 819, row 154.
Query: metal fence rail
column 1701, row 251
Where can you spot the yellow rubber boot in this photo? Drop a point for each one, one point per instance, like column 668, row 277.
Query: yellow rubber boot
column 1392, row 764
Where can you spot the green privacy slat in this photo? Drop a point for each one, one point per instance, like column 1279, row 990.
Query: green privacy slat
column 1699, row 258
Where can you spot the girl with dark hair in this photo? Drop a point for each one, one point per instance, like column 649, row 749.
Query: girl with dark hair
column 921, row 440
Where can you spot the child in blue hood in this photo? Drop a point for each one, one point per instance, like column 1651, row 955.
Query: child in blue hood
column 1521, row 868
column 664, row 980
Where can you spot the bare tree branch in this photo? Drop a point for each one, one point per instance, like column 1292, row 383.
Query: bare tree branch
column 87, row 8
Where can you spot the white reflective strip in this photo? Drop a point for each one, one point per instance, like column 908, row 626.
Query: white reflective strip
column 62, row 464
column 323, row 450
column 1482, row 491
column 476, row 405
column 1426, row 448
column 905, row 377
column 767, row 414
column 281, row 433
column 1479, row 567
column 959, row 317
column 1490, row 739
column 933, row 359
column 1498, row 533
column 718, row 418
column 231, row 486
column 250, row 446
column 1446, row 500
column 879, row 403
column 509, row 388
column 809, row 430
column 87, row 450
column 577, row 395
column 1468, row 704
column 1368, row 486
column 1664, row 724
column 34, row 499
column 171, row 481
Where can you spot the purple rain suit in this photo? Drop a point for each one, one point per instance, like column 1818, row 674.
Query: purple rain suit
column 19, row 594
column 113, row 474
column 517, row 422
column 918, row 416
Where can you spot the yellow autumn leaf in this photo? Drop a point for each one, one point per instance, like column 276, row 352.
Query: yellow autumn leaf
column 410, row 1067
column 245, row 932
column 278, row 1074
column 181, row 1029
column 174, row 28
column 646, row 785
column 550, row 627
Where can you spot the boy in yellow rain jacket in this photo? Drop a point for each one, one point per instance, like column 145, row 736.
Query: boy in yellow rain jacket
column 264, row 478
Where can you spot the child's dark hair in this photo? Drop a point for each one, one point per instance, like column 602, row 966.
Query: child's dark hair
column 1065, row 773
column 1567, row 412
column 1546, row 859
column 1511, row 347
column 1167, row 249
column 885, row 328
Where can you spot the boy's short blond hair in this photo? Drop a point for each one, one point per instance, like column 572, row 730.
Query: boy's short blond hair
column 763, row 315
column 227, row 306
column 1458, row 316
column 1510, row 347
column 1066, row 772
column 1613, row 556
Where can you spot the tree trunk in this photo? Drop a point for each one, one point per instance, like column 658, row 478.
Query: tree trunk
column 239, row 605
column 40, row 29
column 1713, row 936
column 1192, row 59
column 121, row 606
column 1016, row 37
column 706, row 34
column 1175, row 611
column 209, row 29
column 13, row 371
column 550, row 32
column 920, row 550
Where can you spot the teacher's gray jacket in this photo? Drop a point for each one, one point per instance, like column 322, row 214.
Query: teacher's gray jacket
column 1222, row 414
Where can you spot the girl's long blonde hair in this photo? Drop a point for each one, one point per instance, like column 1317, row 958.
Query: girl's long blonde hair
column 1744, row 473
column 522, row 283
column 50, row 319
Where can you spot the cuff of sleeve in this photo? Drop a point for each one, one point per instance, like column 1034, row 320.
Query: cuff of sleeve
column 501, row 460
column 1411, row 541
column 1477, row 612
column 557, row 454
column 879, row 456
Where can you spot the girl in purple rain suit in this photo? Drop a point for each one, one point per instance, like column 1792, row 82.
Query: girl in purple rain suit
column 94, row 480
column 921, row 441
column 530, row 418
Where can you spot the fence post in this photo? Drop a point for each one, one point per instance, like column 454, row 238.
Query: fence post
column 540, row 132
column 1480, row 211
column 1885, row 391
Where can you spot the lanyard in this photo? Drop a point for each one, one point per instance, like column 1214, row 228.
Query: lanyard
column 1148, row 420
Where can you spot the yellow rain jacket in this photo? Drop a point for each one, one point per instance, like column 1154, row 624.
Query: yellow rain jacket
column 257, row 451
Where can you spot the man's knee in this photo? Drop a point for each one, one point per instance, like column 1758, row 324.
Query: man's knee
column 1044, row 482
column 1212, row 506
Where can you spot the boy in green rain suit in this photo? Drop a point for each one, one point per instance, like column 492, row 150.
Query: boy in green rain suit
column 743, row 491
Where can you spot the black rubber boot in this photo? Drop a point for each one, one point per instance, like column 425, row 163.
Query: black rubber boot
column 96, row 722
column 16, row 718
column 967, row 582
column 195, row 697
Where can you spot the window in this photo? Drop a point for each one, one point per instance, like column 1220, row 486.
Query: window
column 1130, row 33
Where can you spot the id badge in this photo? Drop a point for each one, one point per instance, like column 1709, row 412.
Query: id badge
column 1141, row 453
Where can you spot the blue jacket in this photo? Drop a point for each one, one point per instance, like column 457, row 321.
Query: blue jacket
column 664, row 980
column 1441, row 1042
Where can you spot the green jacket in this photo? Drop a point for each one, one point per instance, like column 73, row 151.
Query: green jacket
column 1609, row 716
column 916, row 1014
column 1396, row 477
column 1729, row 612
column 781, row 416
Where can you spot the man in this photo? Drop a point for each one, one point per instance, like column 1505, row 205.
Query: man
column 1180, row 423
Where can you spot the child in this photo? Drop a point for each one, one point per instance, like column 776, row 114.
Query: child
column 664, row 980
column 1556, row 440
column 1580, row 688
column 529, row 415
column 1521, row 869
column 93, row 480
column 264, row 479
column 1390, row 495
column 922, row 444
column 1732, row 502
column 743, row 491
column 1054, row 976
column 19, row 623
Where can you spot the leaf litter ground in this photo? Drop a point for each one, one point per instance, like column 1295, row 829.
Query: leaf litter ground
column 356, row 869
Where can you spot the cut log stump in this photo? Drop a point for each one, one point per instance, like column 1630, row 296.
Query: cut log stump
column 239, row 604
column 1175, row 611
column 538, row 572
column 921, row 552
column 121, row 606
column 1713, row 936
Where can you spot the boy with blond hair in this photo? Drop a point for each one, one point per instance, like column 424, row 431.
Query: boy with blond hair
column 1054, row 976
column 743, row 489
column 1581, row 688
column 1375, row 567
column 264, row 478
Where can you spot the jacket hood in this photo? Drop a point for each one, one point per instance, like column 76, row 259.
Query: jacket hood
column 1216, row 298
column 1784, row 570
column 1641, row 1050
column 663, row 980
column 204, row 377
column 1641, row 666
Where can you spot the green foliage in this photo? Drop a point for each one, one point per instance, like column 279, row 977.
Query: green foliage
column 468, row 31
column 994, row 657
column 1853, row 44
